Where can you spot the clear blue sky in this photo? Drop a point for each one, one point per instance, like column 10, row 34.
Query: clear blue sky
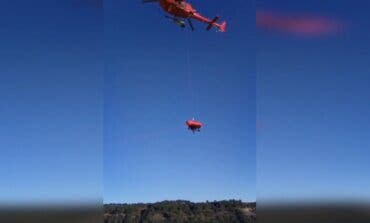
column 313, row 102
column 149, row 155
column 312, row 96
column 51, row 102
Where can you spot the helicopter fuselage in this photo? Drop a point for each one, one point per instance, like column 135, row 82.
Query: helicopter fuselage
column 177, row 8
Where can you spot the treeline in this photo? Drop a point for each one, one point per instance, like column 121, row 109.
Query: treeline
column 231, row 211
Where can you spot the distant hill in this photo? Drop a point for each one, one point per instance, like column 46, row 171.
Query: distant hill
column 231, row 211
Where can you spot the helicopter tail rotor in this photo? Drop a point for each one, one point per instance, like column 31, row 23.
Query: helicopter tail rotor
column 213, row 22
column 221, row 27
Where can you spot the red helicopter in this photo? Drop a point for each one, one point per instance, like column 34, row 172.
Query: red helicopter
column 181, row 9
column 194, row 125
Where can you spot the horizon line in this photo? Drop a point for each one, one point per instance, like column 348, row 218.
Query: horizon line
column 204, row 201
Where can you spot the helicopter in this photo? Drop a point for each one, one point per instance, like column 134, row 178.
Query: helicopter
column 179, row 10
column 194, row 125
